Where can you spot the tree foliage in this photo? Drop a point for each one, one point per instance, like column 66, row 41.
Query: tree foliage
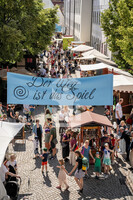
column 24, row 25
column 117, row 24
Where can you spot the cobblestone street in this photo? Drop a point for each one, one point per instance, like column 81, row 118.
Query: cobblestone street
column 35, row 186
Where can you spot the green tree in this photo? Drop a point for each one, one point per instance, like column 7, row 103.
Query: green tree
column 24, row 25
column 117, row 24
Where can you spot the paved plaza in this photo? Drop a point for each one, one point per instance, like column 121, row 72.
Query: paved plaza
column 36, row 186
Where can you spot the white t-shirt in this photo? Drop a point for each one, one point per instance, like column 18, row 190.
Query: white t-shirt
column 119, row 110
column 61, row 116
column 25, row 108
column 3, row 171
column 43, row 71
column 106, row 153
column 12, row 163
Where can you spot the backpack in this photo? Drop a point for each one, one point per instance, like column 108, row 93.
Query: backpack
column 84, row 163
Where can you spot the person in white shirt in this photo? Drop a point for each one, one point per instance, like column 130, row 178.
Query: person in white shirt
column 4, row 171
column 61, row 121
column 43, row 71
column 118, row 111
column 12, row 162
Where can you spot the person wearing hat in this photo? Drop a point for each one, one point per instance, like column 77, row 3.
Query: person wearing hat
column 44, row 157
column 97, row 166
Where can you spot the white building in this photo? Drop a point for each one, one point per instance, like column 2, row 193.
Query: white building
column 78, row 19
column 49, row 4
column 82, row 20
column 98, row 40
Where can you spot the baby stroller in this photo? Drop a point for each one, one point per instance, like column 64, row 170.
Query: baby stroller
column 12, row 188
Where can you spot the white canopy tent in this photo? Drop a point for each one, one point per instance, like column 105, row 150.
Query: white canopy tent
column 82, row 48
column 91, row 67
column 95, row 53
column 106, row 61
column 86, row 58
column 77, row 42
column 7, row 133
column 100, row 66
column 123, row 83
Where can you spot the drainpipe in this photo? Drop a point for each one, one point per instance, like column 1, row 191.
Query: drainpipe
column 69, row 15
column 91, row 22
column 74, row 20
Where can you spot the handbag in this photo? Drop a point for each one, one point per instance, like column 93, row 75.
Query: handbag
column 129, row 121
column 55, row 141
column 64, row 145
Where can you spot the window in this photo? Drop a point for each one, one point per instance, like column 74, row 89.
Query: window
column 99, row 18
column 105, row 49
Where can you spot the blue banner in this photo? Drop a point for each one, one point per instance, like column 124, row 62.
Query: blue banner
column 23, row 89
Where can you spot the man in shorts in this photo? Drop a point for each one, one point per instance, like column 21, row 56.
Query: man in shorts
column 53, row 140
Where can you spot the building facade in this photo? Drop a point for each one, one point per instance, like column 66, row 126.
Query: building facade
column 98, row 40
column 60, row 3
column 78, row 19
column 82, row 20
column 49, row 4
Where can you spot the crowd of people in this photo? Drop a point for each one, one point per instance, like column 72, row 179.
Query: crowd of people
column 61, row 64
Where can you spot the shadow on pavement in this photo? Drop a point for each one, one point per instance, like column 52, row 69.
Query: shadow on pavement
column 65, row 194
column 19, row 146
column 47, row 180
column 24, row 196
column 38, row 163
column 53, row 164
column 104, row 189
column 68, row 167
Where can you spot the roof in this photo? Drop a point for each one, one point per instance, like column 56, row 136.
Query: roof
column 99, row 66
column 123, row 83
column 19, row 70
column 82, row 48
column 106, row 61
column 77, row 42
column 89, row 118
column 95, row 53
column 85, row 58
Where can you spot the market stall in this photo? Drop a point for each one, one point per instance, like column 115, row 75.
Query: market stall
column 123, row 88
column 105, row 69
column 90, row 128
column 7, row 133
column 82, row 48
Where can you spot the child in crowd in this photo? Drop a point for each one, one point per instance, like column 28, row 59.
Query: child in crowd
column 36, row 143
column 106, row 159
column 62, row 175
column 97, row 165
column 112, row 147
column 12, row 167
column 12, row 163
column 44, row 157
